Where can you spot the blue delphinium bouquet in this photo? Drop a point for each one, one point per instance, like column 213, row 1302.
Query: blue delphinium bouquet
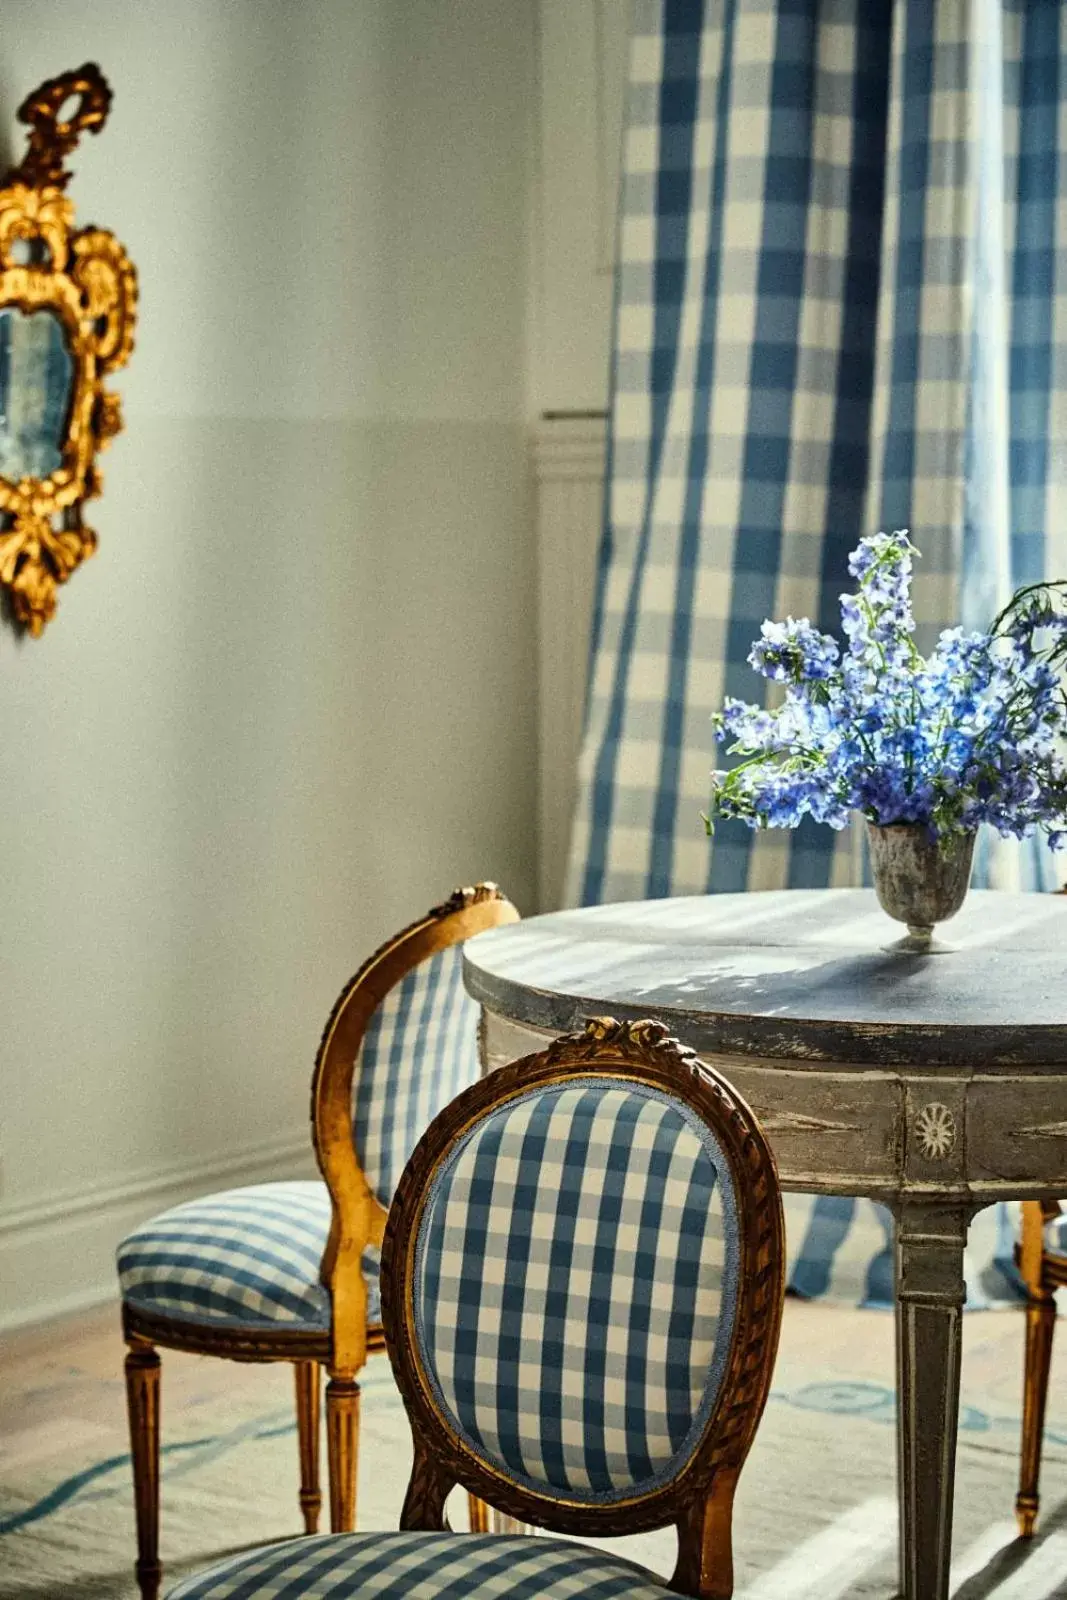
column 972, row 734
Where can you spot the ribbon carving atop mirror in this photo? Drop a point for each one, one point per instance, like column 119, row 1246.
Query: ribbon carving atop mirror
column 68, row 303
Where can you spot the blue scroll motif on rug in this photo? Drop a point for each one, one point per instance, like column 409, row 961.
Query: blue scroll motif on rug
column 836, row 310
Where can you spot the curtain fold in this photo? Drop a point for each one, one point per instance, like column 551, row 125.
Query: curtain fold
column 841, row 304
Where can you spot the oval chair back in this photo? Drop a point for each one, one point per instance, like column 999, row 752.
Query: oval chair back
column 582, row 1285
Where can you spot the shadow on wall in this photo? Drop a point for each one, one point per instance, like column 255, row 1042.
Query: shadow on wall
column 349, row 704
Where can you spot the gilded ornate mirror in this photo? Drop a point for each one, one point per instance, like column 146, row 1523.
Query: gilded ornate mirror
column 68, row 303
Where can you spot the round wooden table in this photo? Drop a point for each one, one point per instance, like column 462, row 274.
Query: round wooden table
column 936, row 1084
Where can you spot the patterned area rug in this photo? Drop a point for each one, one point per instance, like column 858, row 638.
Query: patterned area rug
column 816, row 1512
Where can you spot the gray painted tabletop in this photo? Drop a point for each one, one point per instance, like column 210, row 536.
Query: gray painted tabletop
column 799, row 973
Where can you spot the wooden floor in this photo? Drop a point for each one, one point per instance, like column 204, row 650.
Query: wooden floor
column 61, row 1383
column 824, row 1533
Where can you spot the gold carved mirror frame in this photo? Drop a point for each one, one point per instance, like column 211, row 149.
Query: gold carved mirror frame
column 68, row 305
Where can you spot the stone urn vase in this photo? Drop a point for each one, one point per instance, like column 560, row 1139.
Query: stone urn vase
column 920, row 878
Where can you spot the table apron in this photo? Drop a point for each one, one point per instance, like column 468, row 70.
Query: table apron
column 882, row 1132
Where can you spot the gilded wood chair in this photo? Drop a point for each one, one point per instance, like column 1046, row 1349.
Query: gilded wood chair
column 1041, row 1255
column 289, row 1271
column 582, row 1285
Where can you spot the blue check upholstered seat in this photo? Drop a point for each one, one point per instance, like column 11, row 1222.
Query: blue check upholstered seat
column 575, row 1283
column 1055, row 1235
column 423, row 1566
column 251, row 1257
column 244, row 1258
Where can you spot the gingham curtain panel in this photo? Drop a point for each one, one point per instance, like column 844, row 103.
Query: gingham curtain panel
column 841, row 305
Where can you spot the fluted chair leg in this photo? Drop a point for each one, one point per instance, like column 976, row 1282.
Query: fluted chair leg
column 307, row 1375
column 342, row 1449
column 1040, row 1327
column 142, row 1400
column 478, row 1513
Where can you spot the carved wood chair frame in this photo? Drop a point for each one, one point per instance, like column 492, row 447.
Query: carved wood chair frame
column 1043, row 1273
column 358, row 1220
column 699, row 1501
column 87, row 281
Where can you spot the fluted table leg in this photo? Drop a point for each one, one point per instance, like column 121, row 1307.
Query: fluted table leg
column 930, row 1296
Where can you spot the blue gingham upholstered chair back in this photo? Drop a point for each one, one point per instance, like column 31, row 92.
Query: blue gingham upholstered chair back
column 582, row 1291
column 582, row 1282
column 400, row 1043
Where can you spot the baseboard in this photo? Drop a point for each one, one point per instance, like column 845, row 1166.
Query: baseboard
column 57, row 1255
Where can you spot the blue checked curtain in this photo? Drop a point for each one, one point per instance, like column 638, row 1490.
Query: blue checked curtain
column 841, row 305
column 837, row 310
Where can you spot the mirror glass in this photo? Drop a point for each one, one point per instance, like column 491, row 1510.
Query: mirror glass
column 36, row 379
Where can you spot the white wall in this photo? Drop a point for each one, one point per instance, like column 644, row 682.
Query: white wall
column 582, row 58
column 292, row 699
